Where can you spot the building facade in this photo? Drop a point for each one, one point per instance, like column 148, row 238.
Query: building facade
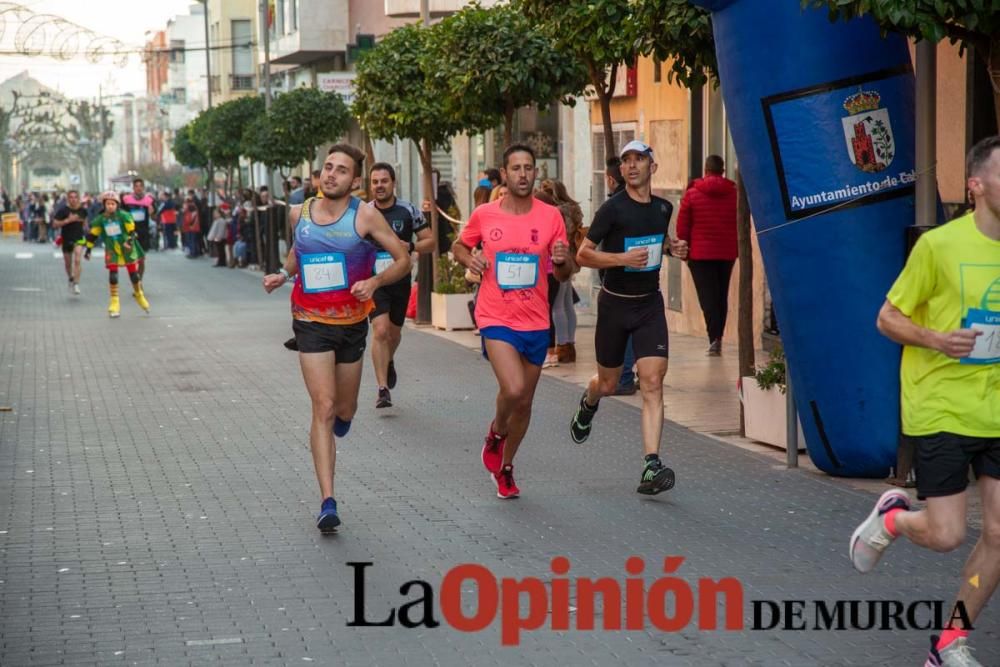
column 152, row 111
column 186, row 91
column 232, row 25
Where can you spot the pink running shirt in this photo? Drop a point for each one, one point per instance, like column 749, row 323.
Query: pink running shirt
column 524, row 244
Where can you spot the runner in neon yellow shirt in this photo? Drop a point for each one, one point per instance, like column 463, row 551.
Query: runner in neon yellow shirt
column 945, row 310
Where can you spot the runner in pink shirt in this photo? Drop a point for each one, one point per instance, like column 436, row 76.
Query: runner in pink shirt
column 520, row 236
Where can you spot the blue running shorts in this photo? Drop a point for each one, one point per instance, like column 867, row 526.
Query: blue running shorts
column 532, row 345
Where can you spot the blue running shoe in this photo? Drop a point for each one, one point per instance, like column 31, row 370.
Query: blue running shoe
column 328, row 520
column 340, row 427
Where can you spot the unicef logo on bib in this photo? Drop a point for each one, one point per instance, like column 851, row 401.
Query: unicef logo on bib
column 516, row 270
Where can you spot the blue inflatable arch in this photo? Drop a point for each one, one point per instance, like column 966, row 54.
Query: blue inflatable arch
column 822, row 118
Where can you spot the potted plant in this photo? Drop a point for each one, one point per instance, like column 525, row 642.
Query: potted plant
column 451, row 296
column 764, row 403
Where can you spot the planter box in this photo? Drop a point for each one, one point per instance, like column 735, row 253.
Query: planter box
column 450, row 311
column 764, row 414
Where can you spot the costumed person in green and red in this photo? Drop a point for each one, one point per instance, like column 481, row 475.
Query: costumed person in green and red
column 116, row 229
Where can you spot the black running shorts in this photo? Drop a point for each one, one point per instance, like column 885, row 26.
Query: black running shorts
column 346, row 341
column 943, row 459
column 618, row 317
column 392, row 299
column 142, row 235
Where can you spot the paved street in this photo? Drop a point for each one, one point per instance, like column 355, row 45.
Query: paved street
column 157, row 500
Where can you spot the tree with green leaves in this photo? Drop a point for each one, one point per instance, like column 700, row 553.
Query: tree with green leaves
column 262, row 144
column 494, row 61
column 218, row 132
column 186, row 151
column 396, row 96
column 604, row 35
column 678, row 33
column 154, row 173
column 298, row 122
column 973, row 23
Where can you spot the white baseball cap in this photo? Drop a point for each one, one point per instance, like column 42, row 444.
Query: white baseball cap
column 636, row 146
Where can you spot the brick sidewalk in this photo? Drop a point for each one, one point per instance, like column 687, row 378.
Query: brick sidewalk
column 156, row 505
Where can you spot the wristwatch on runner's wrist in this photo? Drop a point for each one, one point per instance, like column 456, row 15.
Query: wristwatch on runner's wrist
column 285, row 273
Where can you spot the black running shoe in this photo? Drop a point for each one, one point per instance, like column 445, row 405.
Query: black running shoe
column 656, row 478
column 391, row 377
column 579, row 428
column 292, row 344
column 384, row 398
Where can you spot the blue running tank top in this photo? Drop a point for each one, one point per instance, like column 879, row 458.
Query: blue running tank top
column 331, row 258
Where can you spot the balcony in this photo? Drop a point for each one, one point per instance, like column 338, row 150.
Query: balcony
column 323, row 28
column 241, row 82
column 407, row 9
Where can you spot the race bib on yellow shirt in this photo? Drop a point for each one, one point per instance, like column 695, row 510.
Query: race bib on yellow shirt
column 987, row 348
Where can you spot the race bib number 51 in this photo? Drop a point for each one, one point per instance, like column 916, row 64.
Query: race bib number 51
column 516, row 270
column 987, row 348
column 324, row 272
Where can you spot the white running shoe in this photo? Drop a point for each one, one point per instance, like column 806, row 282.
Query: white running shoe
column 871, row 538
column 955, row 654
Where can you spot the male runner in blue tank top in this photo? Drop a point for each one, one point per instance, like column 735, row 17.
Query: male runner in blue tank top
column 333, row 254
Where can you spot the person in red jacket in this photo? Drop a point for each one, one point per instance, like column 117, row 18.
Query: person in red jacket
column 707, row 221
column 191, row 228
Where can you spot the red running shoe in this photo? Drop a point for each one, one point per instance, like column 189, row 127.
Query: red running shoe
column 493, row 451
column 506, row 487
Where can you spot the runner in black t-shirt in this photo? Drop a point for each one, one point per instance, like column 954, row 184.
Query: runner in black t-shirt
column 69, row 220
column 632, row 228
column 390, row 301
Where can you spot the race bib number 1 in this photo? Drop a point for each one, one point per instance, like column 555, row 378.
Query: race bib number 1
column 655, row 244
column 516, row 270
column 113, row 229
column 324, row 272
column 383, row 261
column 987, row 348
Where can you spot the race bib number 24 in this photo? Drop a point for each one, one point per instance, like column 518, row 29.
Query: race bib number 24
column 324, row 272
